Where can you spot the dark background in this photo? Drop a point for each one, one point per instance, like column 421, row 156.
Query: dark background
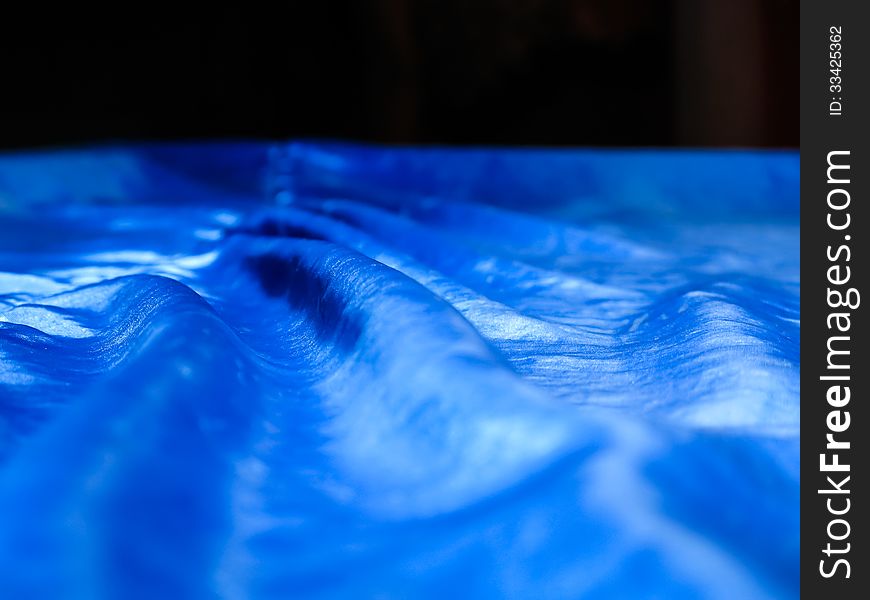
column 550, row 72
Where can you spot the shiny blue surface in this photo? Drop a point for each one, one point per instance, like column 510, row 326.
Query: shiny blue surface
column 322, row 370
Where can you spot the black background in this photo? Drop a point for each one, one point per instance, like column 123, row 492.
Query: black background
column 821, row 134
column 552, row 72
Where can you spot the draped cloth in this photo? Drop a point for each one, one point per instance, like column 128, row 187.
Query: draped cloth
column 261, row 370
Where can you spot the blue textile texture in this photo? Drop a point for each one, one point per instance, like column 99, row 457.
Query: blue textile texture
column 255, row 370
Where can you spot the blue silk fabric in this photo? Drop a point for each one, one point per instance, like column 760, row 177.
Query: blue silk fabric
column 255, row 370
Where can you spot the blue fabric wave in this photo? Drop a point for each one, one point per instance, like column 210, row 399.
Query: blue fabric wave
column 326, row 370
